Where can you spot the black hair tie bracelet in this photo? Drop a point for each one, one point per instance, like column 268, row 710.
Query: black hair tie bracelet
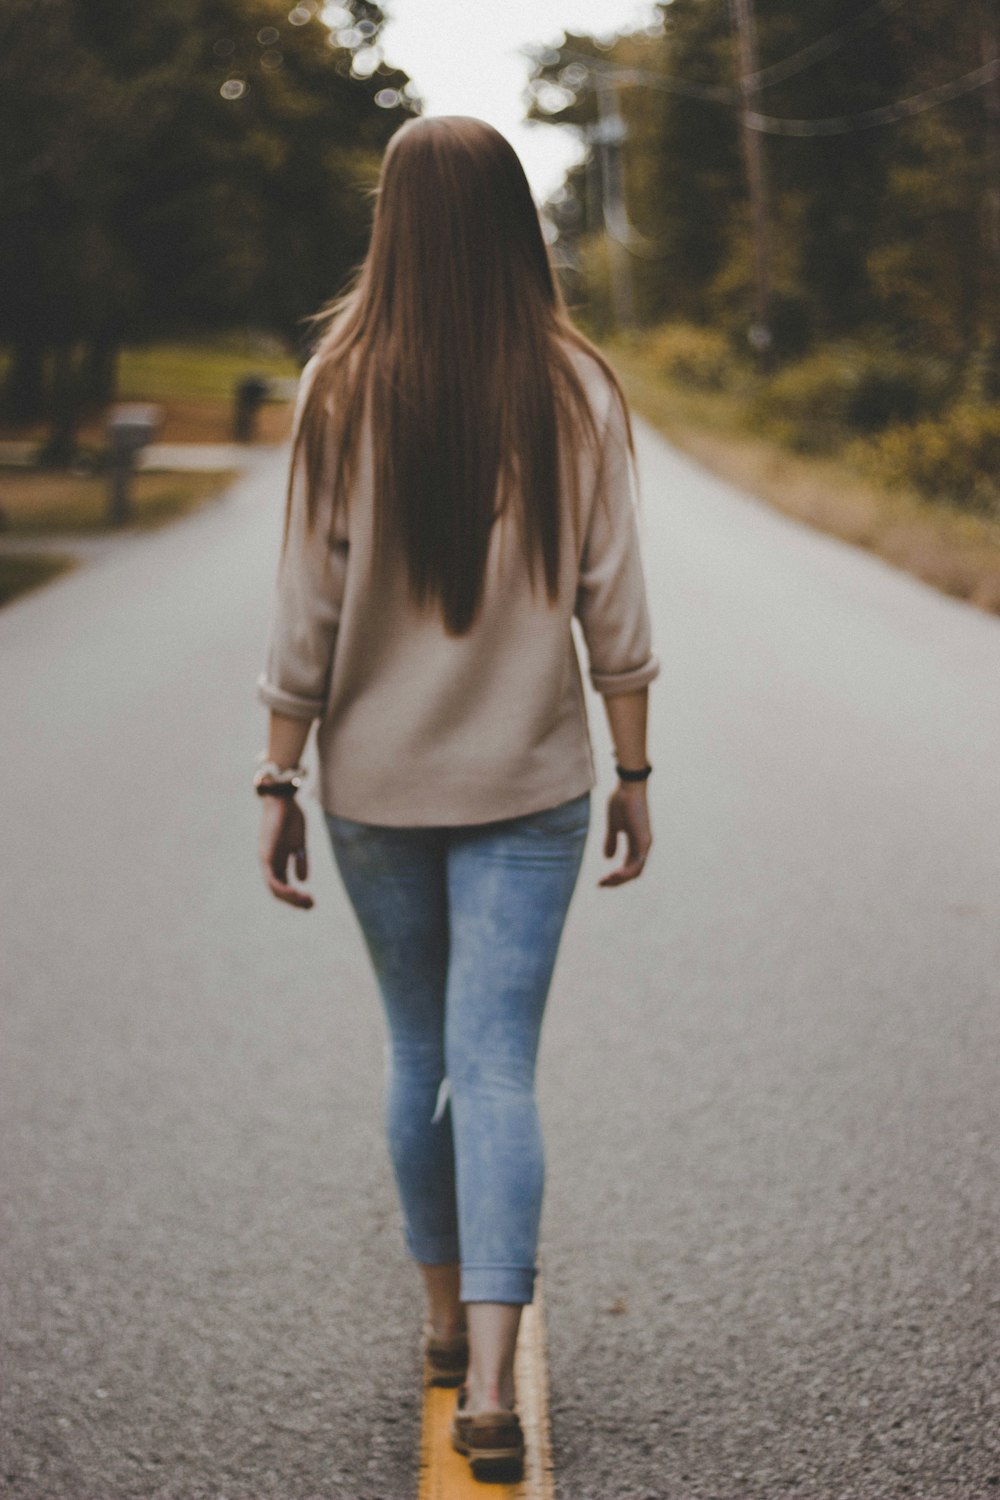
column 642, row 775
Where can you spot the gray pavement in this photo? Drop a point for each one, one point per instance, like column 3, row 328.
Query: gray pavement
column 204, row 456
column 769, row 1074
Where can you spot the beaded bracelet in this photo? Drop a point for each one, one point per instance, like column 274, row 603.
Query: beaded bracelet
column 277, row 781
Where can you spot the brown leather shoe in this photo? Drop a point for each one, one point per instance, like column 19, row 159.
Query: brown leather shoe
column 491, row 1440
column 446, row 1359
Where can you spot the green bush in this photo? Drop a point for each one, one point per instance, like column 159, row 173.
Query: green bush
column 699, row 357
column 846, row 389
column 954, row 457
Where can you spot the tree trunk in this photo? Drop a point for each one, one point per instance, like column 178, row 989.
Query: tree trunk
column 99, row 372
column 60, row 446
column 990, row 48
column 24, row 389
column 760, row 332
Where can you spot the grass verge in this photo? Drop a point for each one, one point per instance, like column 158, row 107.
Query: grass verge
column 208, row 368
column 956, row 551
column 192, row 381
column 21, row 571
column 41, row 503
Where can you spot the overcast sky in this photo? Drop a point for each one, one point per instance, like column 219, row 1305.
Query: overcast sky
column 463, row 56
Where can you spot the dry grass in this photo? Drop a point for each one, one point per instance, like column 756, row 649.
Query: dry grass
column 42, row 503
column 207, row 419
column 21, row 571
column 956, row 551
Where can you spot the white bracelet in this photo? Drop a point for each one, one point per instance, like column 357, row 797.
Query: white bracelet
column 270, row 770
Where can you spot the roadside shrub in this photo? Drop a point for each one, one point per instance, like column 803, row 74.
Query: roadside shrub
column 954, row 457
column 981, row 376
column 845, row 389
column 699, row 357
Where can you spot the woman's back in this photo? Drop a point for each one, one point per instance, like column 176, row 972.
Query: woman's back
column 419, row 725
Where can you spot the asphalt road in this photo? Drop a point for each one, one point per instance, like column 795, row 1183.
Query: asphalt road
column 770, row 1069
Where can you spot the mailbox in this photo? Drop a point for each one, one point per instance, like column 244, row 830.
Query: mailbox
column 250, row 394
column 130, row 428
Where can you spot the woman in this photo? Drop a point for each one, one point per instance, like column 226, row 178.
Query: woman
column 460, row 488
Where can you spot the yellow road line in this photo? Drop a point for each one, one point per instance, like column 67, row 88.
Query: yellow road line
column 446, row 1475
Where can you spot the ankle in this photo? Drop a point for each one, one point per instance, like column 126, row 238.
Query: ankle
column 495, row 1395
column 447, row 1325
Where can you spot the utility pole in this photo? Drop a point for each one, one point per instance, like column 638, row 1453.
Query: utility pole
column 608, row 135
column 988, row 41
column 760, row 334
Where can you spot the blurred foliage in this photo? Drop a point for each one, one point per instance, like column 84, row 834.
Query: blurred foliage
column 849, row 387
column 903, row 417
column 699, row 357
column 37, row 504
column 884, row 242
column 897, row 225
column 203, row 368
column 22, row 571
column 140, row 202
column 954, row 457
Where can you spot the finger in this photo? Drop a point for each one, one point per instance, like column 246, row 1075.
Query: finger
column 610, row 842
column 289, row 893
column 282, row 854
column 633, row 867
column 302, row 863
column 630, row 870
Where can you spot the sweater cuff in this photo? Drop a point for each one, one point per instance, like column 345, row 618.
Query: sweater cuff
column 289, row 703
column 610, row 683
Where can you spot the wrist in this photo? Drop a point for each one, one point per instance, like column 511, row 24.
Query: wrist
column 274, row 780
column 633, row 775
column 634, row 790
column 275, row 791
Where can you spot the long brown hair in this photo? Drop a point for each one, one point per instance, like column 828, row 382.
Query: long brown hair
column 453, row 338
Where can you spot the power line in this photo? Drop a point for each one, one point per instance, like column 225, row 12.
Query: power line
column 888, row 114
column 690, row 87
column 646, row 247
column 624, row 233
column 825, row 46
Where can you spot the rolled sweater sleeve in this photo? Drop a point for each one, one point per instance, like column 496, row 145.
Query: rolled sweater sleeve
column 307, row 600
column 611, row 603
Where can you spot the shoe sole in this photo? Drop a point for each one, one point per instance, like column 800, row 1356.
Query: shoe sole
column 494, row 1463
column 444, row 1377
column 446, row 1368
column 491, row 1463
column 500, row 1470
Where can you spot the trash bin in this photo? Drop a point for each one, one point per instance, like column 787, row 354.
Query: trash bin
column 129, row 430
column 251, row 393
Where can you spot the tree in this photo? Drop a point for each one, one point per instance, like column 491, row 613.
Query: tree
column 893, row 227
column 186, row 166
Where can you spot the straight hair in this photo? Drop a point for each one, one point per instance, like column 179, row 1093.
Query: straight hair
column 452, row 339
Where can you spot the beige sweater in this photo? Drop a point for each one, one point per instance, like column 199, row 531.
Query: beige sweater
column 418, row 728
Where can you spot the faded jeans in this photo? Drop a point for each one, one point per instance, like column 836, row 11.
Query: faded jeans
column 463, row 926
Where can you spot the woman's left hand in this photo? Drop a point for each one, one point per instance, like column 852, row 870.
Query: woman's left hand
column 283, row 838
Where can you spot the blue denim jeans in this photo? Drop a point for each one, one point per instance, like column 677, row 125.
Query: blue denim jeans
column 463, row 926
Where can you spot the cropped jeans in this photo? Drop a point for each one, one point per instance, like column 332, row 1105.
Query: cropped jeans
column 463, row 926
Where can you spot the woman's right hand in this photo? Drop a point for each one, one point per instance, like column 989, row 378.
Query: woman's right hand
column 628, row 814
column 283, row 844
